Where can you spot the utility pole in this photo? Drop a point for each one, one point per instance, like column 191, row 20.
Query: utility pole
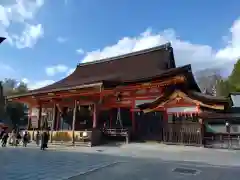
column 2, row 98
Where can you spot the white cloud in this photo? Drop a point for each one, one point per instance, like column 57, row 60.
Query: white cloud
column 199, row 55
column 232, row 50
column 80, row 51
column 29, row 36
column 21, row 12
column 61, row 39
column 39, row 84
column 52, row 70
column 70, row 71
column 25, row 80
column 36, row 84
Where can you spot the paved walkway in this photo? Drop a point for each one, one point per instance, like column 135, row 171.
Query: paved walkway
column 133, row 161
column 160, row 151
column 29, row 164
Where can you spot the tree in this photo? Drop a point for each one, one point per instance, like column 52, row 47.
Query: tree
column 17, row 112
column 232, row 83
column 234, row 78
column 223, row 87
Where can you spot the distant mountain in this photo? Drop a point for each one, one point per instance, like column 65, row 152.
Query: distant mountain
column 207, row 78
column 208, row 72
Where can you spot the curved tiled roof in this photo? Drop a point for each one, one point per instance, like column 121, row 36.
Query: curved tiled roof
column 191, row 92
column 129, row 67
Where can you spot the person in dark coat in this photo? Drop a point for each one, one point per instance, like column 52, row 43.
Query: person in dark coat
column 44, row 140
column 48, row 136
column 4, row 139
column 25, row 139
column 18, row 138
column 2, row 133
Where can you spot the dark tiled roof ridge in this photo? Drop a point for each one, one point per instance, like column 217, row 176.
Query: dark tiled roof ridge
column 2, row 39
column 234, row 93
column 208, row 95
column 136, row 53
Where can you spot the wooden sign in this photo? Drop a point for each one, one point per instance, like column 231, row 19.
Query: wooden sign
column 34, row 121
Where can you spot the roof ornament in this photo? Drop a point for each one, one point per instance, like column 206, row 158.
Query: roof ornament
column 119, row 96
column 2, row 39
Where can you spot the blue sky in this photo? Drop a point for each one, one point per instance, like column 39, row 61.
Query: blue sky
column 46, row 39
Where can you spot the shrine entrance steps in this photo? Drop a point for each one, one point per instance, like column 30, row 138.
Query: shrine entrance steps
column 84, row 144
column 111, row 135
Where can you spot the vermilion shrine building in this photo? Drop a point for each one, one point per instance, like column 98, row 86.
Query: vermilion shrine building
column 142, row 95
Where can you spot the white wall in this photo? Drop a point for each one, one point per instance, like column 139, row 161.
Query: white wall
column 236, row 100
column 139, row 102
column 190, row 109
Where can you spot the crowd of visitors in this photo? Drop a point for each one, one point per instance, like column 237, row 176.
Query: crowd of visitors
column 17, row 137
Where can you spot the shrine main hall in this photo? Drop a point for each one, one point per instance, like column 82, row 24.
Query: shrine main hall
column 140, row 96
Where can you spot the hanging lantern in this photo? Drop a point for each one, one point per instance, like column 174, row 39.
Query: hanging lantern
column 119, row 97
column 89, row 108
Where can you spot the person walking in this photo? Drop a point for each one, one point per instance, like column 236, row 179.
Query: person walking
column 4, row 139
column 12, row 140
column 25, row 139
column 18, row 138
column 38, row 137
column 2, row 133
column 44, row 140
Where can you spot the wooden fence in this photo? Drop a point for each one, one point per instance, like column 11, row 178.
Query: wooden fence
column 182, row 133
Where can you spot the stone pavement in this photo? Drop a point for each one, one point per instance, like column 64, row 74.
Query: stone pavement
column 161, row 151
column 132, row 161
column 25, row 164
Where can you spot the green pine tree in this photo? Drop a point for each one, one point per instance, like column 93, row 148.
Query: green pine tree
column 234, row 78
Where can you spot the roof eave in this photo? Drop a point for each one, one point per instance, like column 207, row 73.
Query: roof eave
column 55, row 90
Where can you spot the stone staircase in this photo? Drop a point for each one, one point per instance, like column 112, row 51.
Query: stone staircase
column 85, row 144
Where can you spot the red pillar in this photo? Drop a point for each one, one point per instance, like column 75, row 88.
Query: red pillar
column 111, row 118
column 133, row 116
column 40, row 116
column 95, row 111
column 29, row 118
column 165, row 115
column 57, row 120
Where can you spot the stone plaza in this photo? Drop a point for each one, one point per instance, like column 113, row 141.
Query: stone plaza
column 133, row 161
